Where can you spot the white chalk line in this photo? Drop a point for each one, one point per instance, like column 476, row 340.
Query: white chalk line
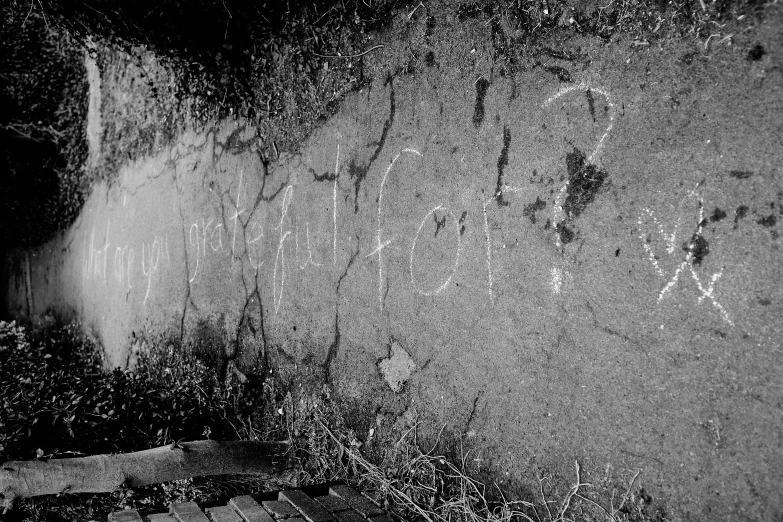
column 106, row 247
column 557, row 279
column 489, row 248
column 687, row 263
column 671, row 239
column 309, row 259
column 380, row 245
column 557, row 208
column 309, row 251
column 236, row 215
column 280, row 256
column 442, row 287
column 253, row 241
column 196, row 243
column 503, row 189
column 152, row 266
column 334, row 206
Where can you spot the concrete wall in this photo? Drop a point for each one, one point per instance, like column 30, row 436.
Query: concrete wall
column 558, row 267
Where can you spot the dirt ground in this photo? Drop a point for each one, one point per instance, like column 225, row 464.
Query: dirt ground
column 566, row 253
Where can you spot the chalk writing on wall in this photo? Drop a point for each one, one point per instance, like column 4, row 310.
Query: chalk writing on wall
column 650, row 225
column 504, row 189
column 279, row 238
column 442, row 287
column 235, row 217
column 150, row 260
column 203, row 233
column 94, row 260
column 334, row 206
column 557, row 208
column 380, row 244
column 279, row 268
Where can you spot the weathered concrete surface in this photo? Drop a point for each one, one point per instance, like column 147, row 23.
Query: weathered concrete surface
column 585, row 269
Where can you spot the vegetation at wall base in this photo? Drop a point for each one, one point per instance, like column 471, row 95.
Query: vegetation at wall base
column 58, row 402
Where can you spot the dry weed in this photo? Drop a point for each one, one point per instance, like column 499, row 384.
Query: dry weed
column 415, row 484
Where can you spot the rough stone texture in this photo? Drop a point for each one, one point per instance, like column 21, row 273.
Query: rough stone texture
column 223, row 514
column 356, row 500
column 349, row 516
column 293, row 506
column 129, row 515
column 161, row 517
column 280, row 509
column 585, row 270
column 188, row 512
column 332, row 504
column 310, row 509
column 249, row 509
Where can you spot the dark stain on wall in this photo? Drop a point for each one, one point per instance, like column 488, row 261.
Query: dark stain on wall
column 584, row 182
column 717, row 215
column 768, row 221
column 756, row 53
column 502, row 162
column 740, row 213
column 439, row 223
column 566, row 234
column 481, row 91
column 358, row 173
column 562, row 74
column 740, row 174
column 698, row 247
column 591, row 103
column 531, row 209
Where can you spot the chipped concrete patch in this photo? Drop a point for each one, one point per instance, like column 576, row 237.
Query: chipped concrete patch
column 397, row 368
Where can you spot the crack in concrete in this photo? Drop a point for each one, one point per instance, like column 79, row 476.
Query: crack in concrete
column 188, row 298
column 472, row 411
column 332, row 353
column 248, row 297
column 360, row 173
column 605, row 329
column 326, row 176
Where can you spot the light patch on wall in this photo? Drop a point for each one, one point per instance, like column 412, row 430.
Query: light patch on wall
column 94, row 126
column 557, row 279
column 397, row 368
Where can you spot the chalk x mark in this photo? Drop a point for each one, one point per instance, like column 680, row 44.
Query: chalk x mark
column 688, row 262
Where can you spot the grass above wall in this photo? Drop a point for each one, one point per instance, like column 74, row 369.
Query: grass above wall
column 284, row 66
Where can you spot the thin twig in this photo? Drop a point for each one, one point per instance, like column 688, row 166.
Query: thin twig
column 599, row 506
column 574, row 490
column 348, row 55
column 437, row 440
column 406, row 433
column 28, row 13
column 421, row 4
column 628, row 492
column 543, row 498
